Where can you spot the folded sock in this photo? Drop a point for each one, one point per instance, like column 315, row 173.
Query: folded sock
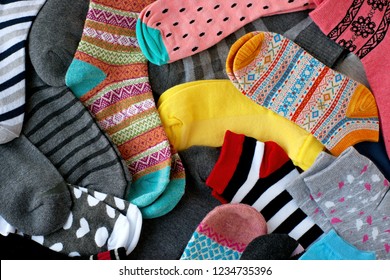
column 171, row 30
column 109, row 75
column 361, row 27
column 333, row 247
column 256, row 173
column 16, row 19
column 272, row 246
column 188, row 123
column 94, row 227
column 353, row 194
column 224, row 233
column 34, row 197
column 278, row 74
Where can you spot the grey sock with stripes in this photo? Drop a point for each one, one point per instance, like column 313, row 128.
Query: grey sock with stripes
column 64, row 131
column 256, row 173
column 301, row 193
column 34, row 197
column 15, row 22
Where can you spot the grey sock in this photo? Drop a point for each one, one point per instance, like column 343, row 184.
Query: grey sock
column 301, row 193
column 54, row 37
column 63, row 130
column 352, row 193
column 93, row 226
column 34, row 197
column 274, row 246
column 210, row 63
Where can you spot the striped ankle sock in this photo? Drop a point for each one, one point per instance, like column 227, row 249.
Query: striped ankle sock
column 16, row 18
column 109, row 74
column 276, row 73
column 256, row 173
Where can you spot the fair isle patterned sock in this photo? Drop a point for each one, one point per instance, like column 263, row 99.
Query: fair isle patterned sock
column 361, row 27
column 109, row 74
column 278, row 74
column 16, row 18
column 94, row 226
column 224, row 233
column 169, row 30
column 354, row 196
column 256, row 173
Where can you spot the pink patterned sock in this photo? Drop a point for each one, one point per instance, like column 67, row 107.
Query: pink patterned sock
column 360, row 26
column 169, row 30
column 225, row 232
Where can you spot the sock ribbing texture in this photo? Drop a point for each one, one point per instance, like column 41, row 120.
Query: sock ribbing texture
column 276, row 73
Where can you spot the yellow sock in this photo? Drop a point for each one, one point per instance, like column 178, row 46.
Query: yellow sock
column 200, row 112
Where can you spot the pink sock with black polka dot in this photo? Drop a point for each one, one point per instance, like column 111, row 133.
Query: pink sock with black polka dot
column 169, row 30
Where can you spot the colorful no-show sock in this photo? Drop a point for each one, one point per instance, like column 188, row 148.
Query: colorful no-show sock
column 33, row 196
column 361, row 28
column 93, row 226
column 109, row 75
column 256, row 173
column 169, row 30
column 16, row 18
column 224, row 233
column 276, row 73
column 354, row 196
column 332, row 247
column 63, row 130
column 272, row 246
column 187, row 123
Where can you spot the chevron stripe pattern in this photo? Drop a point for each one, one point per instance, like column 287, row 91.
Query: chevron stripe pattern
column 201, row 247
column 121, row 101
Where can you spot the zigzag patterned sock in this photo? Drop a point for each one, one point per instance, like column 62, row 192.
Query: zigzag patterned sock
column 15, row 22
column 257, row 174
column 224, row 233
column 109, row 74
column 276, row 73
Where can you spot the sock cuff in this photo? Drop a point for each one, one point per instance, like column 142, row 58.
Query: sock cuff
column 328, row 13
column 227, row 162
column 273, row 159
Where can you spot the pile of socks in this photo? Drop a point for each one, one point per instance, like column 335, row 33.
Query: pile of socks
column 206, row 130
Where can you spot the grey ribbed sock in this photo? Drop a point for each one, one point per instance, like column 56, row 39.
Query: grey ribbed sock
column 34, row 197
column 64, row 131
column 301, row 193
column 54, row 37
